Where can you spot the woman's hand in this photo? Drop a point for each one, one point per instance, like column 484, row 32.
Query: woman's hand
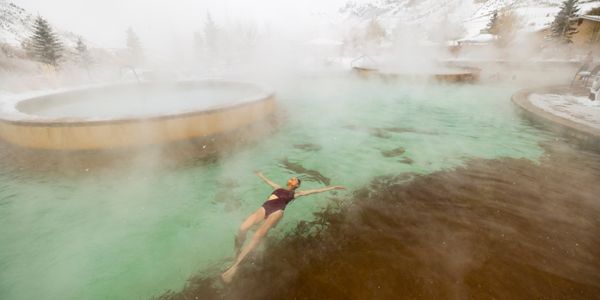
column 265, row 179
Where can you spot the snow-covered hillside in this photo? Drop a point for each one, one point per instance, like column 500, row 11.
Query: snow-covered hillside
column 16, row 25
column 472, row 14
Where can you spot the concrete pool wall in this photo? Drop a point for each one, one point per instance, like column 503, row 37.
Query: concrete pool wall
column 81, row 133
column 451, row 74
column 585, row 135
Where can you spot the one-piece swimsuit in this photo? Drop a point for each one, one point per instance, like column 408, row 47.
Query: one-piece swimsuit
column 283, row 198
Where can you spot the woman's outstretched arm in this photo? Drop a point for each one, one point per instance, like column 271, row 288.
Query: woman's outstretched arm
column 267, row 180
column 325, row 189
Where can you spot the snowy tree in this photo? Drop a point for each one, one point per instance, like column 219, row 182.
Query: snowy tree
column 27, row 46
column 352, row 41
column 44, row 45
column 445, row 30
column 247, row 32
column 563, row 27
column 507, row 25
column 211, row 35
column 199, row 45
column 491, row 27
column 374, row 32
column 134, row 47
column 7, row 50
column 83, row 55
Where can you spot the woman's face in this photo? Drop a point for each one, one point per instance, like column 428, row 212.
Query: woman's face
column 293, row 183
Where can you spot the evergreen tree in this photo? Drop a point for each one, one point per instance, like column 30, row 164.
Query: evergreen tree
column 198, row 44
column 7, row 50
column 508, row 23
column 375, row 31
column 27, row 46
column 81, row 46
column 563, row 27
column 45, row 46
column 134, row 46
column 83, row 54
column 211, row 34
column 492, row 27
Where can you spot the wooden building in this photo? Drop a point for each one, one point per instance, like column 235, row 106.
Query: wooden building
column 588, row 31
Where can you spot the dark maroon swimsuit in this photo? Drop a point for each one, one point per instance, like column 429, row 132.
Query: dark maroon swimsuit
column 283, row 198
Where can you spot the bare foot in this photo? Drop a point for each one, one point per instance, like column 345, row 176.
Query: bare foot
column 228, row 275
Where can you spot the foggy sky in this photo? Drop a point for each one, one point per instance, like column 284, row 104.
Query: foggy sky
column 103, row 22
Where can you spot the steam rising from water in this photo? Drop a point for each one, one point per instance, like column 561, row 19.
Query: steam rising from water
column 142, row 101
column 453, row 234
column 139, row 225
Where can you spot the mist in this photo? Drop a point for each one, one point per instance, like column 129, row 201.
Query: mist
column 273, row 38
column 128, row 160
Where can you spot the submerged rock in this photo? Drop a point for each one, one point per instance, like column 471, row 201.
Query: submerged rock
column 410, row 129
column 394, row 152
column 399, row 129
column 231, row 201
column 380, row 133
column 310, row 175
column 407, row 161
column 228, row 183
column 376, row 132
column 308, row 147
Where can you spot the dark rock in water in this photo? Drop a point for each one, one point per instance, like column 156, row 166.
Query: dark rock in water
column 399, row 129
column 380, row 133
column 407, row 161
column 409, row 129
column 351, row 127
column 226, row 197
column 394, row 152
column 308, row 147
column 377, row 132
column 310, row 175
column 228, row 183
column 406, row 176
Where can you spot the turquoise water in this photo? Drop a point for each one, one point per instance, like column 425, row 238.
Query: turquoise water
column 134, row 232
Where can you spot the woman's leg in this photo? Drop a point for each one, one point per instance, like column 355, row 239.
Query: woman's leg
column 252, row 219
column 271, row 221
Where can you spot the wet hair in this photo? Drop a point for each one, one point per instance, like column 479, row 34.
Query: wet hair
column 298, row 179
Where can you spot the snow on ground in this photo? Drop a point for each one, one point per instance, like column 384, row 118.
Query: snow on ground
column 472, row 15
column 578, row 109
column 9, row 101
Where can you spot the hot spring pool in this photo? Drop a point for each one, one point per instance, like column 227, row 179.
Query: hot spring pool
column 135, row 232
column 441, row 74
column 134, row 115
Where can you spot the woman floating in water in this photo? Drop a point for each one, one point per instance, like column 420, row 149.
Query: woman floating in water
column 271, row 212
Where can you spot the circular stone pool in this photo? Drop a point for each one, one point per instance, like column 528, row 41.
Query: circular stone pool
column 134, row 114
column 439, row 74
column 564, row 109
